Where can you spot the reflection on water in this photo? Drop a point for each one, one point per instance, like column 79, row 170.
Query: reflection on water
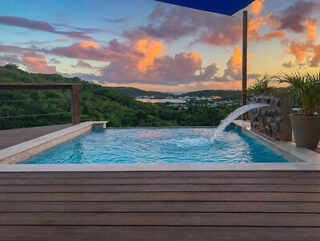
column 157, row 145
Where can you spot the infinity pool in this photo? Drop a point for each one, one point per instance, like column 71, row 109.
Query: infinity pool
column 157, row 145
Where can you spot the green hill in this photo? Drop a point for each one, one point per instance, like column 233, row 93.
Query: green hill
column 47, row 107
column 134, row 92
column 222, row 93
column 96, row 103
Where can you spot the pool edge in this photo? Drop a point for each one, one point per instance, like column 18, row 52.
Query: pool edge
column 22, row 151
column 308, row 161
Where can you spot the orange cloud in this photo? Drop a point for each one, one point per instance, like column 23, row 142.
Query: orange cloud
column 272, row 35
column 38, row 65
column 256, row 7
column 235, row 62
column 151, row 49
column 89, row 44
column 253, row 28
column 298, row 50
column 311, row 28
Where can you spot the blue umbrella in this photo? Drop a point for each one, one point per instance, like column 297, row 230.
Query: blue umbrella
column 226, row 7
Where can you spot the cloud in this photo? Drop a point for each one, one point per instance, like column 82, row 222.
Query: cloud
column 293, row 18
column 311, row 28
column 90, row 50
column 233, row 71
column 180, row 69
column 299, row 50
column 62, row 40
column 288, row 65
column 172, row 23
column 139, row 61
column 315, row 59
column 54, row 61
column 273, row 35
column 37, row 64
column 11, row 58
column 40, row 26
column 83, row 64
column 234, row 67
column 116, row 20
column 224, row 36
column 2, row 63
column 151, row 49
column 256, row 7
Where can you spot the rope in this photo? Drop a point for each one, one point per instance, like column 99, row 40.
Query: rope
column 41, row 100
column 35, row 115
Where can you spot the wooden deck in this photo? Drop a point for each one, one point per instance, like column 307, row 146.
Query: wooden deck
column 160, row 206
column 16, row 136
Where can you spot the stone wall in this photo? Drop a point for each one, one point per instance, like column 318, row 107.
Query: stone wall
column 273, row 121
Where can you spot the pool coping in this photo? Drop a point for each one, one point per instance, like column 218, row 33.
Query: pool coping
column 303, row 159
column 22, row 151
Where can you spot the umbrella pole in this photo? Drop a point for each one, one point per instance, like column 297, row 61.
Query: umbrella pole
column 244, row 60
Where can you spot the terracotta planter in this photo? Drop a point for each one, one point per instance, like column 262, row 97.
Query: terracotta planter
column 306, row 130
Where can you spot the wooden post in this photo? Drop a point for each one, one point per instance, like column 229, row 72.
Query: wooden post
column 75, row 104
column 244, row 60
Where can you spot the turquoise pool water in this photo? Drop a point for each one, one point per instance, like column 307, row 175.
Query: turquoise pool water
column 157, row 145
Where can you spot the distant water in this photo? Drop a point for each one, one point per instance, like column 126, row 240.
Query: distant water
column 157, row 145
column 175, row 101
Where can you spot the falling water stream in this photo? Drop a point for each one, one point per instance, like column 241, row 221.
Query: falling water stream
column 233, row 116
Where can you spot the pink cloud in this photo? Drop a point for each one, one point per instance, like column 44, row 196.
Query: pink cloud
column 90, row 50
column 37, row 64
column 62, row 40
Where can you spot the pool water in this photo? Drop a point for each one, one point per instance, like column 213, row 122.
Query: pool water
column 157, row 145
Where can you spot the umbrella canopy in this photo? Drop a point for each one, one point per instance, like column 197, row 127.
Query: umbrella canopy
column 226, row 7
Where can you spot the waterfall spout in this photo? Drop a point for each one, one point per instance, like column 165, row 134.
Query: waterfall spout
column 233, row 116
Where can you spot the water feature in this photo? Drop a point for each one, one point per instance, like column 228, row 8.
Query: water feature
column 157, row 146
column 233, row 116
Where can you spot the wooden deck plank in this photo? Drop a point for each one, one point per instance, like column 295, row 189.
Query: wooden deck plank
column 98, row 181
column 16, row 136
column 125, row 206
column 169, row 207
column 162, row 196
column 163, row 219
column 105, row 233
column 165, row 174
column 160, row 188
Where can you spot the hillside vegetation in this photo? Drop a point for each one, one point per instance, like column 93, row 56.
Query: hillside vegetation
column 22, row 108
column 134, row 92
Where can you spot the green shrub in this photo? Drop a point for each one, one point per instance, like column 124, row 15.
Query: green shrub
column 304, row 90
column 261, row 85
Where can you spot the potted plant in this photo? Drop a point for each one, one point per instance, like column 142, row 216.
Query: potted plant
column 305, row 92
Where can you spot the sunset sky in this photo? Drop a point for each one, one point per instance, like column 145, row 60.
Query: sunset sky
column 156, row 46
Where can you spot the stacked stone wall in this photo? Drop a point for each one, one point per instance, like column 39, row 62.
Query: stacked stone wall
column 273, row 121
